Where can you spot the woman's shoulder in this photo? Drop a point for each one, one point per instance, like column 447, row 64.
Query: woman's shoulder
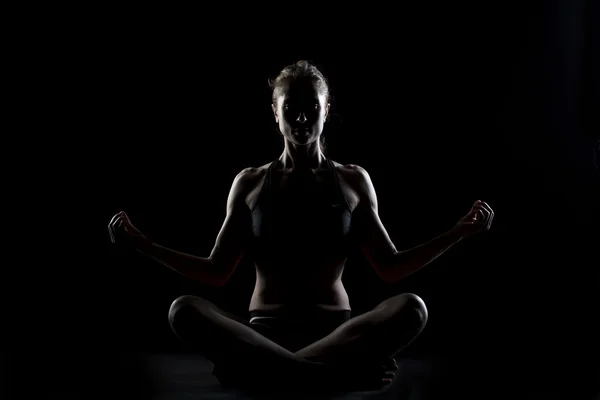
column 250, row 177
column 357, row 179
column 250, row 174
column 351, row 172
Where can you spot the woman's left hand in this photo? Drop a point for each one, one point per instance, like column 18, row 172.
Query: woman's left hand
column 478, row 220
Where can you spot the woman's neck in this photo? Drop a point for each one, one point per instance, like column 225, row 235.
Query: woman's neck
column 307, row 157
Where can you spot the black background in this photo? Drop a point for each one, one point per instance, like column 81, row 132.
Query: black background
column 442, row 106
column 447, row 110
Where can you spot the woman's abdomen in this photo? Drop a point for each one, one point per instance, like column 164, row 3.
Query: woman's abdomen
column 272, row 294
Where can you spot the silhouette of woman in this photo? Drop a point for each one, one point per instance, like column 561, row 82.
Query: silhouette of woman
column 296, row 217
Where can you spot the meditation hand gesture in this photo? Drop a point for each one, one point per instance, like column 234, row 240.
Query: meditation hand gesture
column 478, row 220
column 122, row 231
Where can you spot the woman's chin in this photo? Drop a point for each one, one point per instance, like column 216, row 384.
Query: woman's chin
column 302, row 137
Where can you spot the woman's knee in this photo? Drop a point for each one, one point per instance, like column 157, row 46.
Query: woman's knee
column 408, row 308
column 186, row 307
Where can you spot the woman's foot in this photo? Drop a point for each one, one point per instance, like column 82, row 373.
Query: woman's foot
column 359, row 373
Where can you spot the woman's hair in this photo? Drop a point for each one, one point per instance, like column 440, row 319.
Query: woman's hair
column 300, row 70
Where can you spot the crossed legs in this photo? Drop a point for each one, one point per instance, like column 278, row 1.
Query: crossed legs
column 226, row 339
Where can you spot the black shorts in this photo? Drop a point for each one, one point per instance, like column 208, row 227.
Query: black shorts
column 295, row 330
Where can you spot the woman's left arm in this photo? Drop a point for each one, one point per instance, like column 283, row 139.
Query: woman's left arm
column 390, row 264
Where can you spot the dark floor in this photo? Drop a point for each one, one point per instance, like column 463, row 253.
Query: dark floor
column 186, row 376
column 178, row 376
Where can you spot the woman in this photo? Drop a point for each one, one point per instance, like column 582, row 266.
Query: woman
column 296, row 217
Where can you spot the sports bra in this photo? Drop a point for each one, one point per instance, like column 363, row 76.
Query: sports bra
column 301, row 221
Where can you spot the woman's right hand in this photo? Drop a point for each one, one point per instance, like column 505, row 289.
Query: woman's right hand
column 123, row 232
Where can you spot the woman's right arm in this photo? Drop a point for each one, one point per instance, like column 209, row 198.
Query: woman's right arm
column 232, row 240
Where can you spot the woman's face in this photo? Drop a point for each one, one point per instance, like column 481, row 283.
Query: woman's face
column 301, row 111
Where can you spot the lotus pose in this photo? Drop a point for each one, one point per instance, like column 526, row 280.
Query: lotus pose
column 297, row 217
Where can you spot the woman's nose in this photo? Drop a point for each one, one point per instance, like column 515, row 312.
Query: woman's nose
column 301, row 118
